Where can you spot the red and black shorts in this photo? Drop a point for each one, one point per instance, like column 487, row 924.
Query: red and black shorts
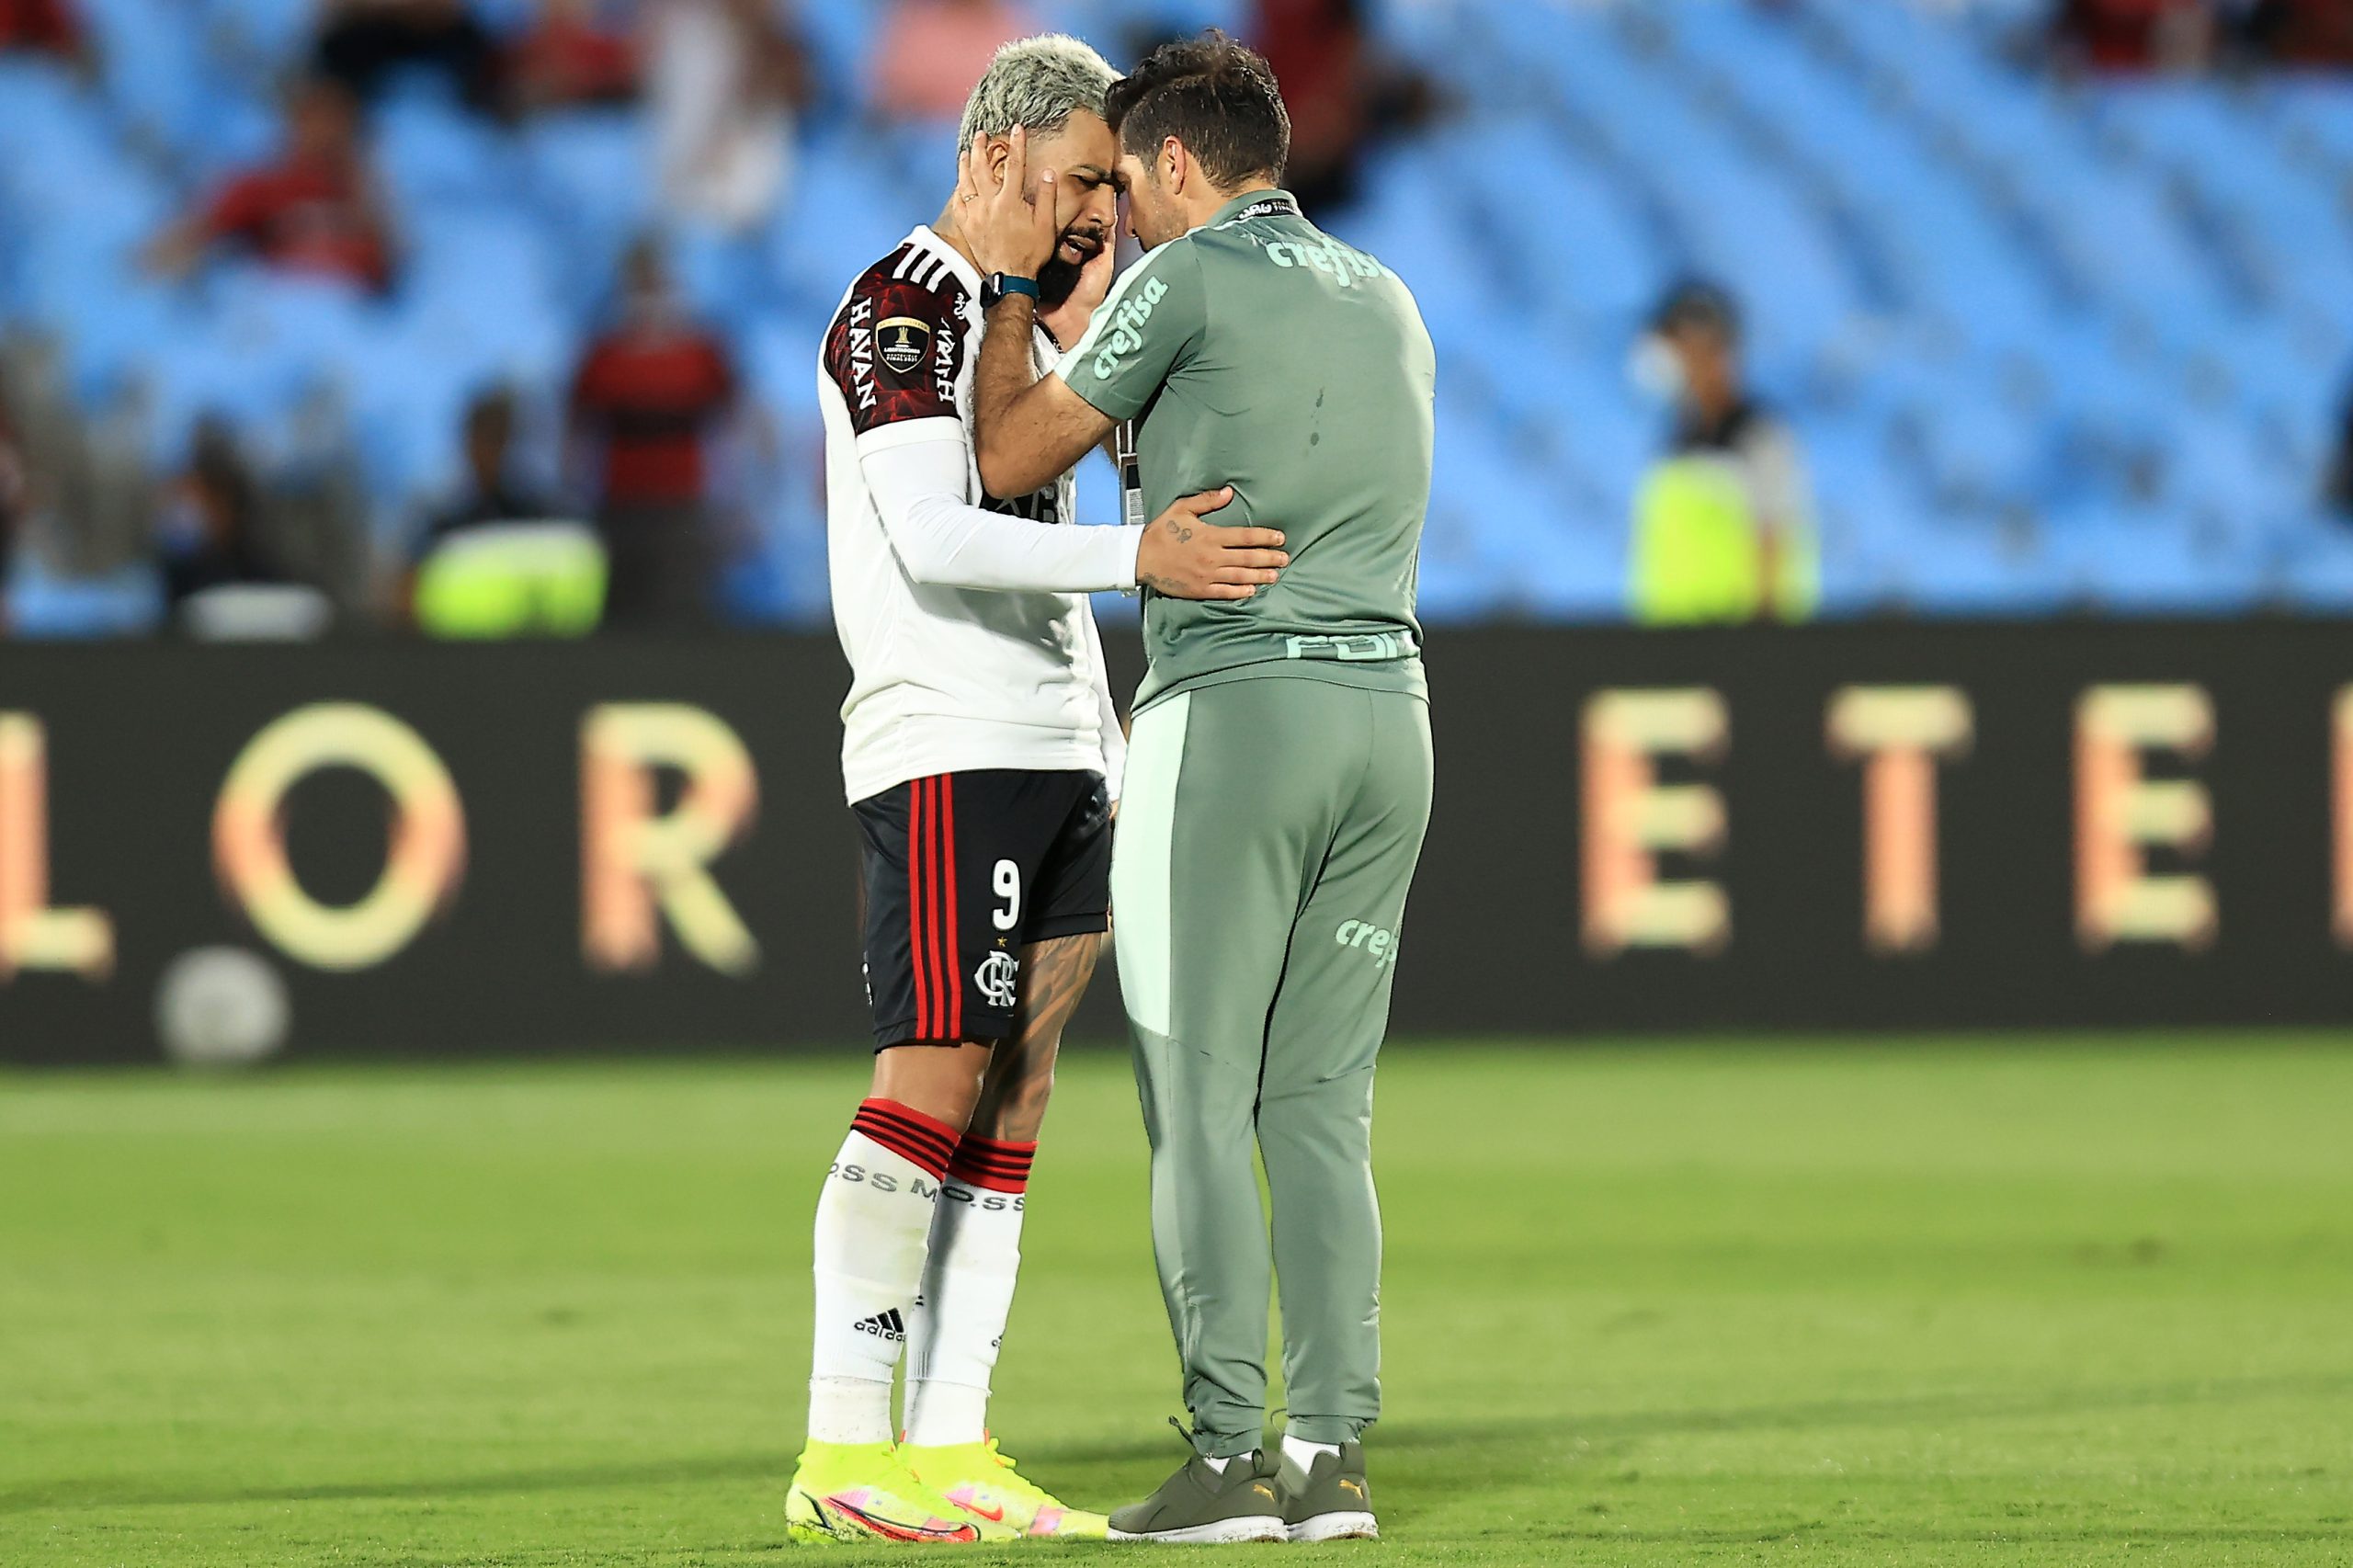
column 963, row 870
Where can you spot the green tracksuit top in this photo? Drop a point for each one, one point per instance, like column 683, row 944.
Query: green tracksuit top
column 1257, row 351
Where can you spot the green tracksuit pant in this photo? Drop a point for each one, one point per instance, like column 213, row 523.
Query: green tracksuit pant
column 1268, row 830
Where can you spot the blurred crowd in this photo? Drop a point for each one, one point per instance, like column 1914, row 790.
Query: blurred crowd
column 650, row 447
column 2177, row 35
column 652, row 413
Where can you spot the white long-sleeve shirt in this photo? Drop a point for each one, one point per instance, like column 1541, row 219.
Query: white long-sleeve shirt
column 971, row 641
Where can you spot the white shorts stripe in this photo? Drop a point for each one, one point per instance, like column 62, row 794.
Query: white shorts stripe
column 1140, row 856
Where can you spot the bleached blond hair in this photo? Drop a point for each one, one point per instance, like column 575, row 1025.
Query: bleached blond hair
column 1036, row 82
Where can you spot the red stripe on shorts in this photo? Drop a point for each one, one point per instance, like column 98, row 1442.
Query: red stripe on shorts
column 918, row 956
column 951, row 949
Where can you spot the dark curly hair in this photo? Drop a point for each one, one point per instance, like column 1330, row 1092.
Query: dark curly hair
column 1213, row 94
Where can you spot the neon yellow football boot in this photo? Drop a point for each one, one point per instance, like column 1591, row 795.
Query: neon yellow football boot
column 865, row 1493
column 985, row 1483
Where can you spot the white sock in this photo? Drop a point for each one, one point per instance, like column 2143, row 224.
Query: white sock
column 1302, row 1453
column 958, row 1323
column 873, row 1226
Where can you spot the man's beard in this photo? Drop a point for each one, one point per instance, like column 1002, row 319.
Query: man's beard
column 1057, row 281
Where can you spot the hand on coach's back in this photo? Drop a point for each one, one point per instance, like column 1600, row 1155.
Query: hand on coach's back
column 1185, row 558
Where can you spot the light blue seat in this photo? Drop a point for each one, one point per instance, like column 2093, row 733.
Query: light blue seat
column 271, row 30
column 840, row 40
column 2317, row 575
column 723, row 274
column 1417, row 30
column 260, row 345
column 2127, row 561
column 1979, row 452
column 406, row 402
column 2314, row 115
column 1610, row 432
column 430, row 150
column 486, row 294
column 110, row 321
column 153, row 66
column 1976, row 569
column 591, row 172
column 43, row 606
column 778, row 358
column 1453, row 589
column 845, row 211
column 2231, row 481
column 1866, row 515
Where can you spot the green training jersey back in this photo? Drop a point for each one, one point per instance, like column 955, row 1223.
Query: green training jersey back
column 1257, row 351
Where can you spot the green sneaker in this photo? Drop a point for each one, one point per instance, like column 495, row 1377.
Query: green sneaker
column 1201, row 1506
column 1331, row 1502
column 864, row 1491
column 981, row 1479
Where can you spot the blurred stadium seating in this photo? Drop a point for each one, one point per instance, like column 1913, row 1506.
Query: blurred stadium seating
column 2049, row 345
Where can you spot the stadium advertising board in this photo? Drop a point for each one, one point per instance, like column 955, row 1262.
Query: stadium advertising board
column 451, row 849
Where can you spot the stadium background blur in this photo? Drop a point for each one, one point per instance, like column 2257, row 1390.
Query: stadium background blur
column 504, row 1262
column 2054, row 299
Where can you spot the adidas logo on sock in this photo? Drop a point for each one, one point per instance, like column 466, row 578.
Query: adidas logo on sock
column 883, row 1326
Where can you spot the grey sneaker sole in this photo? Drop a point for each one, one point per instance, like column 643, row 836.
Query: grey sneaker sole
column 1336, row 1526
column 1218, row 1532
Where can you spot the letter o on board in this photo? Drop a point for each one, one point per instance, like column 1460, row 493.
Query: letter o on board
column 425, row 858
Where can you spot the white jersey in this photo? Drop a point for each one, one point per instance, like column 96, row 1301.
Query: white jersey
column 971, row 641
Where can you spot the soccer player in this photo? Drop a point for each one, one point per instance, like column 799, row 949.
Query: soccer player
column 980, row 752
column 1278, row 775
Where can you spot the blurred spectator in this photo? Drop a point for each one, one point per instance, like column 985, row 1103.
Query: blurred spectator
column 1723, row 528
column 491, row 496
column 503, row 560
column 931, row 51
column 2298, row 32
column 314, row 211
column 212, row 522
column 2137, row 35
column 1340, row 92
column 722, row 76
column 575, row 52
column 654, row 394
column 42, row 27
column 366, row 44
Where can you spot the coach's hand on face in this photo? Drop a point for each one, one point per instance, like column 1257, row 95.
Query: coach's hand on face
column 1188, row 559
column 1011, row 227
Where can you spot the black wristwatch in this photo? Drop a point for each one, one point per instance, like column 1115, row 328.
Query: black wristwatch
column 998, row 285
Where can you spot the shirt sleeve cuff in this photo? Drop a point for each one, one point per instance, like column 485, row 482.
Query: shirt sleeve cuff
column 907, row 432
column 1121, row 553
column 1108, row 401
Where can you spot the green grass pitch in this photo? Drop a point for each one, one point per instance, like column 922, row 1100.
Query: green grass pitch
column 2050, row 1301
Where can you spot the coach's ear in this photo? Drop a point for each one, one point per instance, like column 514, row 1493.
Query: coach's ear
column 1176, row 165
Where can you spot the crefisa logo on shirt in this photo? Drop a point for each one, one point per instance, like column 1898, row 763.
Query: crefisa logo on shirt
column 1125, row 329
column 902, row 342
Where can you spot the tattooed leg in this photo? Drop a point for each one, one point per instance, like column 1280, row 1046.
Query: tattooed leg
column 1021, row 1071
